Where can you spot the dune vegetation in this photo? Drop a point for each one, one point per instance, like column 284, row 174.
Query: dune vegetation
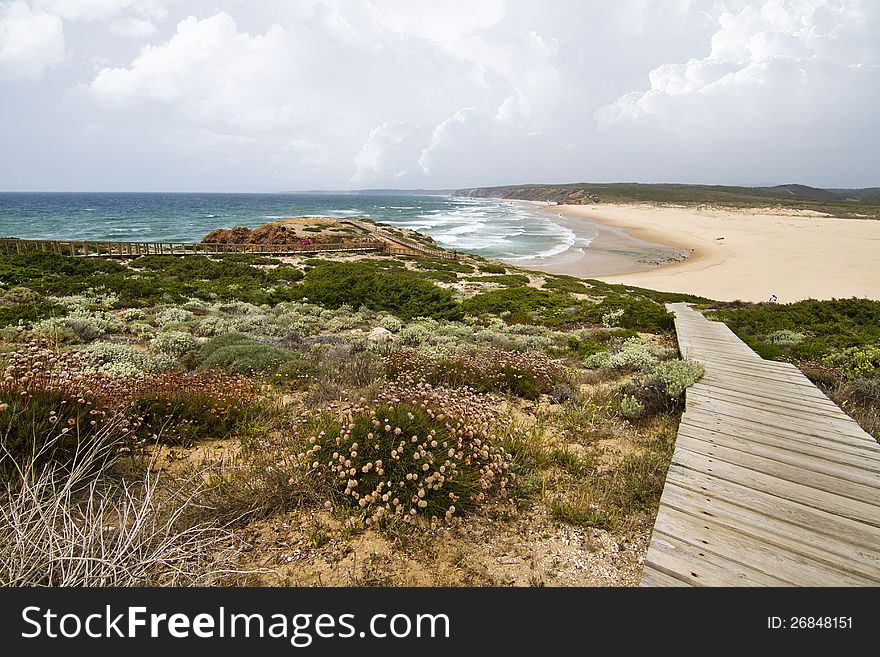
column 347, row 420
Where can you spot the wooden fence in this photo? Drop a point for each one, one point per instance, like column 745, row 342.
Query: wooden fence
column 104, row 249
column 90, row 248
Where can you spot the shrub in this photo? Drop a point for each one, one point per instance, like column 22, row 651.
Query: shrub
column 565, row 284
column 678, row 375
column 840, row 323
column 634, row 354
column 115, row 359
column 855, row 362
column 391, row 323
column 631, row 408
column 784, row 337
column 507, row 280
column 515, row 300
column 489, row 268
column 415, row 452
column 660, row 391
column 524, row 374
column 334, row 284
column 173, row 343
column 173, row 316
column 183, row 408
column 243, row 355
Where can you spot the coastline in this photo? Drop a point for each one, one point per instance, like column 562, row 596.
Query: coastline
column 734, row 254
column 603, row 248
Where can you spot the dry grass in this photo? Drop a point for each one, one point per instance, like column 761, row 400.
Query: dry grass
column 68, row 525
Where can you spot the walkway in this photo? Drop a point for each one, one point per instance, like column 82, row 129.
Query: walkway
column 771, row 484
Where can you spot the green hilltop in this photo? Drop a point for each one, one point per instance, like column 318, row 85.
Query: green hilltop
column 856, row 203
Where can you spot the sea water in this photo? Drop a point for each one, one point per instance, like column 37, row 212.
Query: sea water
column 505, row 230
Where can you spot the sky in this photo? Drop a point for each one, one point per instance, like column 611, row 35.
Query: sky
column 270, row 95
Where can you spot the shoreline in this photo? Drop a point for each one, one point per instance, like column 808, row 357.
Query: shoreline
column 733, row 254
column 603, row 248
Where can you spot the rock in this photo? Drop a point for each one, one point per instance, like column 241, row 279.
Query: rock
column 380, row 335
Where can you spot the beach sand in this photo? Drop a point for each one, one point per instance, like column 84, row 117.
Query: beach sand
column 730, row 254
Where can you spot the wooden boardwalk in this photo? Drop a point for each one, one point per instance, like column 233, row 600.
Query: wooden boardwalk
column 771, row 484
column 102, row 249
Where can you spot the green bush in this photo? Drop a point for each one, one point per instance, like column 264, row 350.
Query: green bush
column 241, row 354
column 490, row 268
column 335, row 284
column 839, row 323
column 565, row 284
column 515, row 300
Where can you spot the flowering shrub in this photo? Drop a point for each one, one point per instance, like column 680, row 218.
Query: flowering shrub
column 47, row 398
column 660, row 390
column 64, row 397
column 87, row 300
column 631, row 408
column 133, row 315
column 527, row 374
column 416, row 451
column 180, row 408
column 610, row 319
column 116, row 359
column 856, row 362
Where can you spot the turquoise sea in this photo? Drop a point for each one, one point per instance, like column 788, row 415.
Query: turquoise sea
column 495, row 229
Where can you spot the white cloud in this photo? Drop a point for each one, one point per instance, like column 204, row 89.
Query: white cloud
column 391, row 150
column 776, row 71
column 31, row 41
column 328, row 93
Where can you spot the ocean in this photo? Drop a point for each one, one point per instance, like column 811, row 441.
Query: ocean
column 502, row 230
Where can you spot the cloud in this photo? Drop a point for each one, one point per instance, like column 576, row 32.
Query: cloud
column 132, row 27
column 391, row 152
column 31, row 41
column 219, row 94
column 101, row 10
column 779, row 75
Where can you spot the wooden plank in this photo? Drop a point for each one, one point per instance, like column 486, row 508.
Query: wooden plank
column 775, row 396
column 701, row 567
column 777, row 404
column 768, row 558
column 797, row 491
column 814, row 446
column 808, row 426
column 820, row 548
column 782, row 470
column 853, row 532
column 868, row 475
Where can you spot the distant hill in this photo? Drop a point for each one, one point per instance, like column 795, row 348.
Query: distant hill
column 838, row 202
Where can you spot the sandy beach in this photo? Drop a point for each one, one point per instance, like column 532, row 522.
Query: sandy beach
column 723, row 254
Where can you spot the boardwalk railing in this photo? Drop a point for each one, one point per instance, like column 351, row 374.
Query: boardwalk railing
column 407, row 244
column 771, row 484
column 382, row 241
column 136, row 249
